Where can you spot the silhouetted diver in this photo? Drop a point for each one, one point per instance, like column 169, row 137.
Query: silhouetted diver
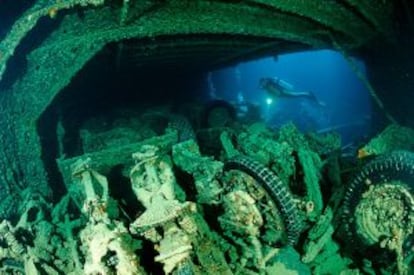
column 277, row 88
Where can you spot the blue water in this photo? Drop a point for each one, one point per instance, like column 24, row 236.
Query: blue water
column 325, row 72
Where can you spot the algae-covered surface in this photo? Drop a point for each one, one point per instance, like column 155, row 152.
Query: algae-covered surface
column 185, row 188
column 257, row 207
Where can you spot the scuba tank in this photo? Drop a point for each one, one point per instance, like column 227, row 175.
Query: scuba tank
column 283, row 84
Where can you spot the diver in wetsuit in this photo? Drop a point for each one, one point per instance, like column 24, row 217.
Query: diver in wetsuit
column 277, row 88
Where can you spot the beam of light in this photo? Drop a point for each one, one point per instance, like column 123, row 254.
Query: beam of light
column 269, row 101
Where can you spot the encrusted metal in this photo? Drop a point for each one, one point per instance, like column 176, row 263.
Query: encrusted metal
column 277, row 190
column 378, row 207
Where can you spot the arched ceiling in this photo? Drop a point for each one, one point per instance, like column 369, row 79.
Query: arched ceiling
column 202, row 33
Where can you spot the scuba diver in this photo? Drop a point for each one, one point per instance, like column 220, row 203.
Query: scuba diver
column 277, row 88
